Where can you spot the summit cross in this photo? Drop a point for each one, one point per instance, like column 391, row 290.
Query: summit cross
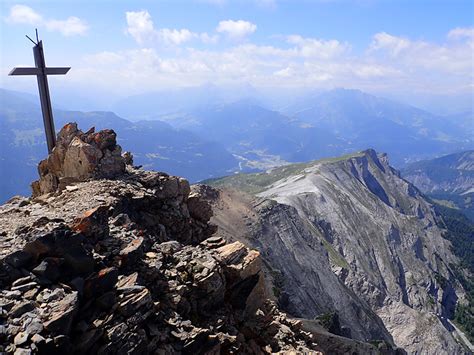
column 42, row 72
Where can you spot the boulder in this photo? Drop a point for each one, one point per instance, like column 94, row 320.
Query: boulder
column 79, row 156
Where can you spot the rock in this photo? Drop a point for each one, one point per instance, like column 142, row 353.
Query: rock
column 78, row 284
column 79, row 156
column 18, row 258
column 132, row 252
column 21, row 281
column 198, row 206
column 100, row 282
column 93, row 223
column 87, row 340
column 63, row 243
column 132, row 273
column 232, row 253
column 25, row 287
column 21, row 338
column 37, row 339
column 169, row 247
column 62, row 314
column 35, row 326
column 214, row 242
column 49, row 268
column 21, row 308
column 127, row 281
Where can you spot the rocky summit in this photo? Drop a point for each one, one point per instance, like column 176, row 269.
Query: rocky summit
column 79, row 156
column 110, row 259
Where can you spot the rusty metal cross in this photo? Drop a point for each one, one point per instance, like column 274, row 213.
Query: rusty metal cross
column 42, row 72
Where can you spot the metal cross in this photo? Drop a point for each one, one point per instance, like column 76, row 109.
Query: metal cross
column 42, row 72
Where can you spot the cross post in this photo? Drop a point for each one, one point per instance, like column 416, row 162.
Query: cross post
column 42, row 72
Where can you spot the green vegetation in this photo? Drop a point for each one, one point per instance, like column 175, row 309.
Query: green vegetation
column 334, row 256
column 258, row 182
column 255, row 183
column 464, row 203
column 460, row 232
column 326, row 319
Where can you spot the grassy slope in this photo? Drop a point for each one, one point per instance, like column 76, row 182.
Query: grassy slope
column 257, row 182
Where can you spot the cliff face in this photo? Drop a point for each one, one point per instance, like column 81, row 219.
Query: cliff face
column 380, row 237
column 128, row 265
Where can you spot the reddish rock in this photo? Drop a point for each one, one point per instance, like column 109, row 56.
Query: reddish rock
column 93, row 223
column 79, row 156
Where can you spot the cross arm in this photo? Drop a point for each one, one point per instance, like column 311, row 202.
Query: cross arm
column 24, row 71
column 57, row 71
column 36, row 71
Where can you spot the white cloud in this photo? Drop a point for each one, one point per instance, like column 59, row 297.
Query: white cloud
column 24, row 15
column 236, row 29
column 390, row 63
column 452, row 58
column 175, row 37
column 140, row 26
column 394, row 44
column 69, row 27
column 21, row 14
column 311, row 47
column 460, row 32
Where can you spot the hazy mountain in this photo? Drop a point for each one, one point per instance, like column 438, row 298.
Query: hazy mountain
column 403, row 131
column 261, row 137
column 349, row 235
column 153, row 105
column 327, row 124
column 448, row 179
column 155, row 144
column 208, row 133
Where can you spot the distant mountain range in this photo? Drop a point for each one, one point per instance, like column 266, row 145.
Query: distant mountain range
column 324, row 124
column 211, row 135
column 448, row 179
column 155, row 144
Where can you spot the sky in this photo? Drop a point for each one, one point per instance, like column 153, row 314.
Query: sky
column 403, row 48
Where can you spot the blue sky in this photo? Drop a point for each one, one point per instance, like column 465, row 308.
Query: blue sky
column 125, row 47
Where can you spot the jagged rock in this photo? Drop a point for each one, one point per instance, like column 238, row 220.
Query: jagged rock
column 197, row 206
column 93, row 223
column 79, row 156
column 132, row 252
column 62, row 314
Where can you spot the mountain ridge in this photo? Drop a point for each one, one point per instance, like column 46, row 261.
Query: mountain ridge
column 383, row 240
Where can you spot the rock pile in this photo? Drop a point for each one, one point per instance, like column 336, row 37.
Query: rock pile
column 128, row 266
column 79, row 156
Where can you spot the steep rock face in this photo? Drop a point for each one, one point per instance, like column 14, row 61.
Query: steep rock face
column 381, row 239
column 298, row 263
column 130, row 266
column 79, row 156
